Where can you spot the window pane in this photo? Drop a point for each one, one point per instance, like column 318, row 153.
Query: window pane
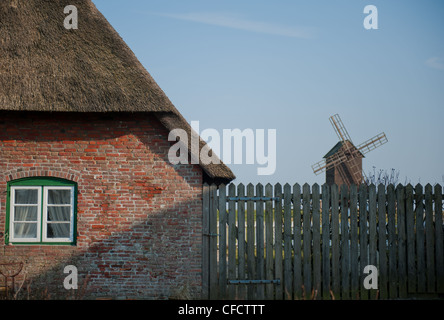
column 59, row 213
column 58, row 230
column 26, row 196
column 59, row 196
column 25, row 230
column 26, row 213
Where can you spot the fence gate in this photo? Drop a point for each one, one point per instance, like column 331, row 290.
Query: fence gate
column 296, row 242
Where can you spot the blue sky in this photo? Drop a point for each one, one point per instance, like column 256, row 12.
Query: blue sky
column 290, row 65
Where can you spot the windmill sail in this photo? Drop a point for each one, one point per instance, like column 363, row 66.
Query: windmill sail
column 373, row 143
column 339, row 127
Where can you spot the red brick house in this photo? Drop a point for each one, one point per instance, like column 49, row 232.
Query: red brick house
column 84, row 173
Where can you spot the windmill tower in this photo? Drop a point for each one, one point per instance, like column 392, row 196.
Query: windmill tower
column 343, row 163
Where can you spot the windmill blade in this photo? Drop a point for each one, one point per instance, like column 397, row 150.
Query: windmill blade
column 319, row 167
column 339, row 127
column 332, row 161
column 372, row 143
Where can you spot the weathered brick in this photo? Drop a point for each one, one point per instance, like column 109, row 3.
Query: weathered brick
column 138, row 219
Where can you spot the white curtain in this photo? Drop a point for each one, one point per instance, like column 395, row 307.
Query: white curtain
column 25, row 213
column 59, row 213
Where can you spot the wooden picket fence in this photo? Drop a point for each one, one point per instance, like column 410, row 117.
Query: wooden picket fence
column 314, row 242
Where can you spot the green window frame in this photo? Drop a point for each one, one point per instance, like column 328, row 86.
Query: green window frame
column 41, row 210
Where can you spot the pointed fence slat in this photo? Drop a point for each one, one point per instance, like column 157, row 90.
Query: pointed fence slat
column 232, row 241
column 214, row 285
column 307, row 240
column 420, row 241
column 354, row 244
column 251, row 242
column 430, row 239
column 439, row 250
column 345, row 249
column 288, row 276
column 335, row 242
column 269, row 254
column 382, row 244
column 392, row 242
column 222, row 241
column 206, row 242
column 411, row 240
column 260, row 240
column 372, row 232
column 314, row 243
column 241, row 241
column 402, row 242
column 363, row 239
column 278, row 241
column 297, row 242
column 326, row 244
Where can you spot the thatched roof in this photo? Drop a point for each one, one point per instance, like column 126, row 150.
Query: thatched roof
column 219, row 173
column 45, row 67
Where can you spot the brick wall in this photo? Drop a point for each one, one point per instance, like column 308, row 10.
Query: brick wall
column 139, row 231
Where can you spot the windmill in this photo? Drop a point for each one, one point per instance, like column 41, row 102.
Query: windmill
column 343, row 163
